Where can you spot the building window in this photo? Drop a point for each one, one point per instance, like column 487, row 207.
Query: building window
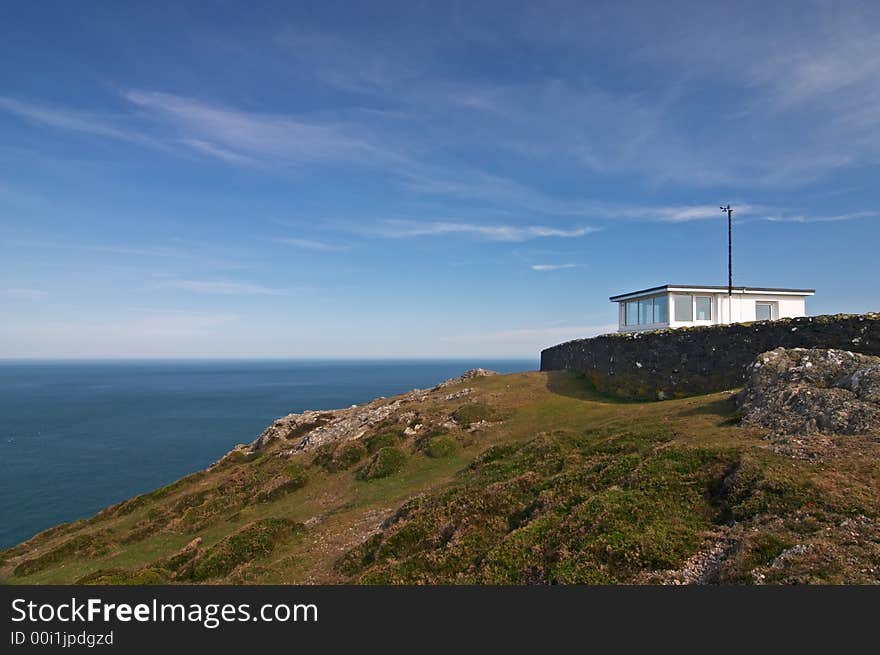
column 661, row 309
column 684, row 308
column 646, row 311
column 763, row 311
column 632, row 313
column 704, row 308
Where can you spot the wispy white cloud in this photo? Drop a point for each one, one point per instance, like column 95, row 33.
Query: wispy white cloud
column 78, row 121
column 179, row 124
column 312, row 244
column 818, row 74
column 217, row 152
column 696, row 213
column 407, row 229
column 503, row 192
column 551, row 267
column 347, row 64
column 821, row 69
column 221, row 287
column 830, row 218
column 409, row 109
column 228, row 133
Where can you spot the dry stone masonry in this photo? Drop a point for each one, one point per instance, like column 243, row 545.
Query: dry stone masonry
column 688, row 361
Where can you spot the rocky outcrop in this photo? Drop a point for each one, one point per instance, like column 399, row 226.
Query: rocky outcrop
column 802, row 391
column 467, row 375
column 311, row 429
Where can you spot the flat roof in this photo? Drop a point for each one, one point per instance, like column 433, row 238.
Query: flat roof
column 711, row 287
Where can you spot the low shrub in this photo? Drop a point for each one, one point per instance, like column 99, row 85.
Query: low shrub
column 338, row 457
column 376, row 442
column 385, row 462
column 349, row 454
column 250, row 542
column 281, row 488
column 440, row 446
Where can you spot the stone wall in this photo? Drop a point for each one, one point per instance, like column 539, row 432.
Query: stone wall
column 688, row 361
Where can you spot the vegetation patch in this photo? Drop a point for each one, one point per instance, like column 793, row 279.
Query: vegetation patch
column 240, row 457
column 323, row 457
column 90, row 543
column 759, row 488
column 767, row 547
column 128, row 506
column 200, row 516
column 471, row 413
column 254, row 540
column 440, row 446
column 385, row 462
column 376, row 442
column 294, row 477
column 140, row 531
column 145, row 576
column 544, row 512
column 280, row 488
column 348, row 454
column 334, row 457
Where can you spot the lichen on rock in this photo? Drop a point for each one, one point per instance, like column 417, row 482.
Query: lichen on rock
column 800, row 391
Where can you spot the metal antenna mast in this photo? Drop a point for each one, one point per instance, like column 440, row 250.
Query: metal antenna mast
column 729, row 262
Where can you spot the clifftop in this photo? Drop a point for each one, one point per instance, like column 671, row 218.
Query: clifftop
column 521, row 478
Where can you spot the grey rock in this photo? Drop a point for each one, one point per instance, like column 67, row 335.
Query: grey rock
column 467, row 375
column 800, row 391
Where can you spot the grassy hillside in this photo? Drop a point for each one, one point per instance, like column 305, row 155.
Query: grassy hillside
column 526, row 478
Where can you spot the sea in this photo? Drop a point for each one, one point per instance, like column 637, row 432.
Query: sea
column 78, row 436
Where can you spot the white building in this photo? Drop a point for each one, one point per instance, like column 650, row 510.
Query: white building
column 674, row 305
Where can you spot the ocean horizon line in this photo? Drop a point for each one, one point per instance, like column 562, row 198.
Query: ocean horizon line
column 365, row 359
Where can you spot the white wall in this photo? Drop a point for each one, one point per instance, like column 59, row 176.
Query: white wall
column 743, row 309
column 674, row 323
column 786, row 306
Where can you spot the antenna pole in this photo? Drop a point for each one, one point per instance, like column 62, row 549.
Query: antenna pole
column 729, row 212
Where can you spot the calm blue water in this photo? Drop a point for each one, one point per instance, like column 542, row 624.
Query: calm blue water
column 76, row 437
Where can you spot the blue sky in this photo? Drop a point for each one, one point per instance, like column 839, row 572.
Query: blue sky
column 420, row 179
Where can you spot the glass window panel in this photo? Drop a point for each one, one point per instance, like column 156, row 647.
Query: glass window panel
column 704, row 308
column 684, row 310
column 661, row 309
column 646, row 311
column 763, row 311
column 632, row 313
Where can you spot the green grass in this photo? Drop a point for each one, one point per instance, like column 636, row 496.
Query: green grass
column 471, row 413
